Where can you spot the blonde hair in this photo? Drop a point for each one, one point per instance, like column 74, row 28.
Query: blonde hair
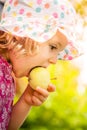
column 25, row 45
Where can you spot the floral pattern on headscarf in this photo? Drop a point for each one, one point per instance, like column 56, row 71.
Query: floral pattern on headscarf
column 39, row 20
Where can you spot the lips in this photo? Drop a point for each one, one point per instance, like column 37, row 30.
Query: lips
column 32, row 69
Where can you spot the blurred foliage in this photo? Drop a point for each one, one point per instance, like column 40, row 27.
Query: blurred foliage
column 81, row 8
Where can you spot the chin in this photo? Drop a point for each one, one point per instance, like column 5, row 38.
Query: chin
column 18, row 75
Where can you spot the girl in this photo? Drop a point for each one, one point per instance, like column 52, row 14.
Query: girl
column 32, row 33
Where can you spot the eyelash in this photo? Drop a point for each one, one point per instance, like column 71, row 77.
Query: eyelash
column 53, row 47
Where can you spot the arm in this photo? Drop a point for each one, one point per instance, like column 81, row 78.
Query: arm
column 29, row 98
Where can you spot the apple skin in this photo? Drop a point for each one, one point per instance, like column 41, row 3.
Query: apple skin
column 39, row 77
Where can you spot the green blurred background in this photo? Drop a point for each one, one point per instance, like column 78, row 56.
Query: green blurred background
column 66, row 108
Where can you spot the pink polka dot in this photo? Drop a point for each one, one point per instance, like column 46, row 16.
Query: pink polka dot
column 45, row 37
column 70, row 58
column 10, row 1
column 62, row 7
column 21, row 11
column 39, row 2
column 55, row 15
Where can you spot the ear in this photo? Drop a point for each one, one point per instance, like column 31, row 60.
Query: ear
column 31, row 46
column 35, row 48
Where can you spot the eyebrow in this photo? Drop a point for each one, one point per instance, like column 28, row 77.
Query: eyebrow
column 60, row 45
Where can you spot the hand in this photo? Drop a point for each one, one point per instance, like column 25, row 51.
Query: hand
column 38, row 96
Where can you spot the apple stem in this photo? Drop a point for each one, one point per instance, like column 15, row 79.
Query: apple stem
column 55, row 78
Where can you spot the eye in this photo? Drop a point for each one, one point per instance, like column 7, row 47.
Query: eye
column 52, row 47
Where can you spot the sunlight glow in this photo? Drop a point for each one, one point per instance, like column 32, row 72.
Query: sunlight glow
column 81, row 90
column 81, row 62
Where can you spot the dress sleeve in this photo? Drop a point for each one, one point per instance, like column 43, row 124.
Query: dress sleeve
column 7, row 92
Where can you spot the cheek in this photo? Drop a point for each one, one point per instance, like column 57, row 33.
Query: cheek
column 45, row 55
column 40, row 59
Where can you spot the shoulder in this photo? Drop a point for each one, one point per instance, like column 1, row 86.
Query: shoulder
column 5, row 67
column 3, row 62
column 7, row 85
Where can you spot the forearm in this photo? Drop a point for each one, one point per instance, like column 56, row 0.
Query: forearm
column 29, row 98
column 19, row 114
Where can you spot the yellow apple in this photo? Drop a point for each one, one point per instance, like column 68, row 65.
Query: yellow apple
column 39, row 76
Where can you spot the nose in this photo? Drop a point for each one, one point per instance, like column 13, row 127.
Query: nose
column 53, row 60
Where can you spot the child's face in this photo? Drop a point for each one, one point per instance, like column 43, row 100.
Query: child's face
column 47, row 54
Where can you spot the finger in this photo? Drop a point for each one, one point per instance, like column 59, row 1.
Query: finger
column 36, row 101
column 51, row 88
column 40, row 97
column 42, row 91
column 28, row 95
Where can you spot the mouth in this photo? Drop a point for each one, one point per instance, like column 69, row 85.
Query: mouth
column 32, row 69
column 35, row 67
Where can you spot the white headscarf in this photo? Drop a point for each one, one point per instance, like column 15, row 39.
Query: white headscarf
column 39, row 20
